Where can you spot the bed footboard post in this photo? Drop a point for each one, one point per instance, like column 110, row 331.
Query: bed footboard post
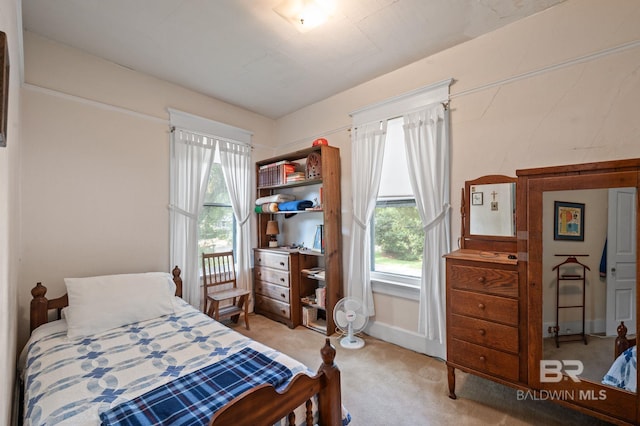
column 178, row 280
column 621, row 343
column 38, row 312
column 329, row 397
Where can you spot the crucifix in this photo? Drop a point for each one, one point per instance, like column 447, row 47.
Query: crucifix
column 494, row 203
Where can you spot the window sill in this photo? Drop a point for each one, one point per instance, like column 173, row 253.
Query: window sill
column 395, row 288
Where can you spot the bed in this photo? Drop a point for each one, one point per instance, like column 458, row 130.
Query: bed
column 623, row 372
column 137, row 354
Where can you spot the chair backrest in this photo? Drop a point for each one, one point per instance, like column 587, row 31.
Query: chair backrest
column 218, row 271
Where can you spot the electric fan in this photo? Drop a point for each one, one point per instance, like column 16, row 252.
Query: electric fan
column 350, row 317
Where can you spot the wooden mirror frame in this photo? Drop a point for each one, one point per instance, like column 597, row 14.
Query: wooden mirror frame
column 618, row 405
column 484, row 242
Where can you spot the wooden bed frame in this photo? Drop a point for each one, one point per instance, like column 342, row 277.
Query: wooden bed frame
column 261, row 405
column 622, row 343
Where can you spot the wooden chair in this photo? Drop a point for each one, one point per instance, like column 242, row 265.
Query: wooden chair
column 219, row 278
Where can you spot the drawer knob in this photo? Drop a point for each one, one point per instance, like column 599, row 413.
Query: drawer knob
column 482, row 358
column 482, row 279
column 481, row 306
column 259, row 273
column 282, row 279
column 482, row 332
column 282, row 295
column 281, row 263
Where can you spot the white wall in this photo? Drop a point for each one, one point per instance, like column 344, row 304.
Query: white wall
column 9, row 214
column 95, row 175
column 560, row 87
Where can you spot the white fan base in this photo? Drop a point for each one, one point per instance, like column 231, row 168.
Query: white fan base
column 352, row 342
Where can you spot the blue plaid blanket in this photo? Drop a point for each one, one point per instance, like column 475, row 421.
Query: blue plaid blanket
column 192, row 399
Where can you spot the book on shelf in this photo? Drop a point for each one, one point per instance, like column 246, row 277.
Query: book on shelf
column 309, row 315
column 318, row 241
column 295, row 177
column 321, row 294
column 275, row 173
column 277, row 163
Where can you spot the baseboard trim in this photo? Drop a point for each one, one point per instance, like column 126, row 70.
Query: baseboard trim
column 406, row 339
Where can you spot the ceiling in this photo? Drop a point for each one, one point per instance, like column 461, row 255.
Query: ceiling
column 244, row 53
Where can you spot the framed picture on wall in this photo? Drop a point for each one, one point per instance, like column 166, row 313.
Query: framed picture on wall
column 476, row 198
column 568, row 223
column 4, row 88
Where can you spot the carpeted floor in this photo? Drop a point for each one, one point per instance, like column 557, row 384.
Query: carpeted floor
column 383, row 384
column 596, row 355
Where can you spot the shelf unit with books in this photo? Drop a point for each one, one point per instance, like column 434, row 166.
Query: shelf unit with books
column 324, row 176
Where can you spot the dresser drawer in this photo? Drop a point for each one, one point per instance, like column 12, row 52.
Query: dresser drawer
column 276, row 276
column 272, row 260
column 483, row 359
column 273, row 291
column 275, row 307
column 486, row 333
column 484, row 306
column 490, row 280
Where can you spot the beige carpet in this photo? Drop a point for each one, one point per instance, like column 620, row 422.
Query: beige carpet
column 596, row 356
column 383, row 384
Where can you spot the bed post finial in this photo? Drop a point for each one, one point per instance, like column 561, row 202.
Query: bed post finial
column 330, row 396
column 176, row 279
column 38, row 312
column 328, row 352
column 622, row 330
column 38, row 291
column 621, row 343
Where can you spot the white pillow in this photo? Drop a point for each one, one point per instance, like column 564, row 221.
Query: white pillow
column 98, row 304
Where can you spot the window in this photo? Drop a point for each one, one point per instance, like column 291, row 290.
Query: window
column 217, row 222
column 397, row 238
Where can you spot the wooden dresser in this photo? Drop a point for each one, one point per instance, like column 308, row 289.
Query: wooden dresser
column 496, row 320
column 276, row 275
column 483, row 316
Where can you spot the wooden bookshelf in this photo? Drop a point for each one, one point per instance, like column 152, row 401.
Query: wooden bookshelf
column 330, row 213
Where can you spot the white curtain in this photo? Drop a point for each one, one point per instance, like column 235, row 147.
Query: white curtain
column 236, row 167
column 191, row 159
column 428, row 161
column 366, row 165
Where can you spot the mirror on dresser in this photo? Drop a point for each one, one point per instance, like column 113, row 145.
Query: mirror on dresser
column 579, row 288
column 488, row 209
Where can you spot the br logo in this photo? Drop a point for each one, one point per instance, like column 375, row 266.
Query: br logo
column 552, row 370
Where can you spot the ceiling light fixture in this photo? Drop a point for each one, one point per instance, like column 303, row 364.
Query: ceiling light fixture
column 306, row 14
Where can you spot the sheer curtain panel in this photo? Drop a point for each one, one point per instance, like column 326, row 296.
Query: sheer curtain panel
column 428, row 161
column 366, row 164
column 191, row 159
column 236, row 167
column 193, row 145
